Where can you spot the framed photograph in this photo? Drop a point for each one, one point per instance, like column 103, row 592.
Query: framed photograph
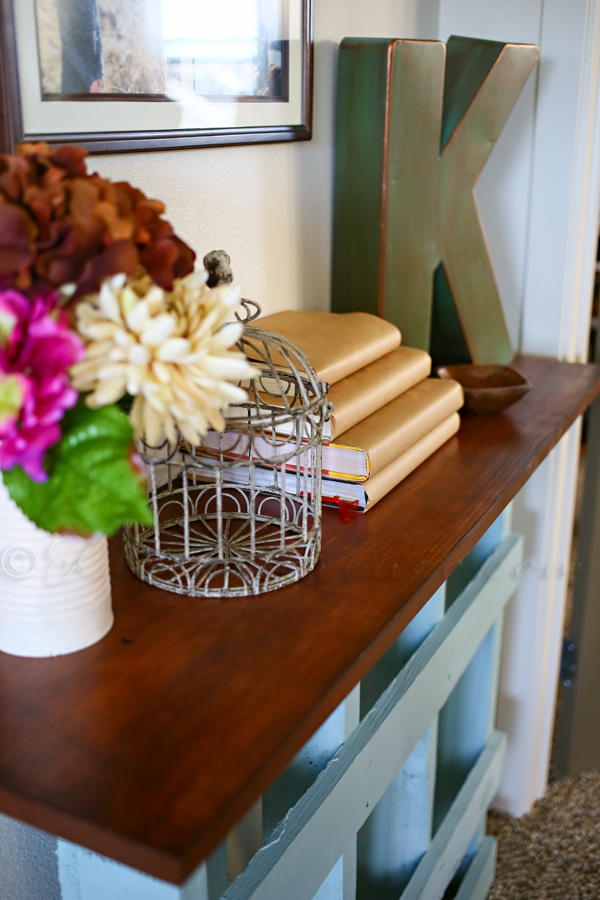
column 154, row 74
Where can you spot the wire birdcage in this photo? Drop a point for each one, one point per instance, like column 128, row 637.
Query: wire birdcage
column 240, row 513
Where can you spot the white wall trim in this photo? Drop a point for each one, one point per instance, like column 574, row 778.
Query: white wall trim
column 560, row 198
column 583, row 226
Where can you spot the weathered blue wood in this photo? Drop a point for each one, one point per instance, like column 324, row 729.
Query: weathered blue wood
column 340, row 884
column 474, row 559
column 352, row 719
column 37, row 866
column 333, row 886
column 307, row 765
column 463, row 726
column 469, row 715
column 397, row 834
column 398, row 831
column 492, row 706
column 84, row 875
column 383, row 672
column 437, row 868
column 350, row 861
column 479, row 878
column 244, row 841
column 28, row 866
column 320, row 826
column 88, row 876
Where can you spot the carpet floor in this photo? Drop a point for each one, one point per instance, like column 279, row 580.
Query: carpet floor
column 553, row 853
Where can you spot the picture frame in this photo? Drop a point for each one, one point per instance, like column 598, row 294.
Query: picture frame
column 181, row 107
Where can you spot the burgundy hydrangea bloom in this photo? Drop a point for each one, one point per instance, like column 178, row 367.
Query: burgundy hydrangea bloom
column 61, row 225
column 36, row 351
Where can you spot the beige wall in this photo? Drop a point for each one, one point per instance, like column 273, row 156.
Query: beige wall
column 270, row 205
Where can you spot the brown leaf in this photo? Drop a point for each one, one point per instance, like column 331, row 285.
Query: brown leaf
column 13, row 176
column 41, row 202
column 122, row 256
column 72, row 160
column 184, row 261
column 158, row 259
column 119, row 228
column 60, row 224
column 16, row 229
column 83, row 196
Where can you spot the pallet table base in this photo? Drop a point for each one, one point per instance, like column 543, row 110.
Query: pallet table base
column 378, row 781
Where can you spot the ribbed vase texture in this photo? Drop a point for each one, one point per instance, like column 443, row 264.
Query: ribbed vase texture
column 54, row 590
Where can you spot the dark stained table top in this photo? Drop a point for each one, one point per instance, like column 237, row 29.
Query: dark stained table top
column 149, row 749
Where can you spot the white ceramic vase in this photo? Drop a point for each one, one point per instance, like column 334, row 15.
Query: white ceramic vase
column 54, row 590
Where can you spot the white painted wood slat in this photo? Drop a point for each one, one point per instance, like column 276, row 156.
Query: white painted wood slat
column 398, row 831
column 437, row 868
column 324, row 821
column 479, row 878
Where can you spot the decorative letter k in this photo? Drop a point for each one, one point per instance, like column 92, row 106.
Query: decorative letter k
column 416, row 122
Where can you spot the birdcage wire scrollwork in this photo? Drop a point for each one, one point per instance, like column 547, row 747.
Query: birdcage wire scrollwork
column 240, row 513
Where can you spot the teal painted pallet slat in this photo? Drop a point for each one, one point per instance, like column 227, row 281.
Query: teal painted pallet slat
column 324, row 821
column 340, row 884
column 397, row 834
column 307, row 765
column 391, row 663
column 244, row 840
column 333, row 886
column 83, row 875
column 398, row 831
column 464, row 724
column 479, row 878
column 436, row 870
column 467, row 719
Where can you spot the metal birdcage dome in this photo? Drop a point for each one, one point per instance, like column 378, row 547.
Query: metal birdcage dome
column 240, row 513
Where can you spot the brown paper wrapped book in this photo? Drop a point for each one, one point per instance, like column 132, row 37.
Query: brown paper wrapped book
column 371, row 458
column 359, row 395
column 388, row 416
column 362, row 495
column 379, row 439
column 376, row 488
column 337, row 344
column 371, row 445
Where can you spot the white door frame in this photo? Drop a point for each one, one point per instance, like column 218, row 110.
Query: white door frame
column 555, row 167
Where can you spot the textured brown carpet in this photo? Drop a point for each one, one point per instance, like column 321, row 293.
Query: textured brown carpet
column 554, row 852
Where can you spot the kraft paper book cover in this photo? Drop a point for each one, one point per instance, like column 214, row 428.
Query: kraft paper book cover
column 400, row 424
column 367, row 390
column 364, row 494
column 371, row 446
column 337, row 344
column 376, row 488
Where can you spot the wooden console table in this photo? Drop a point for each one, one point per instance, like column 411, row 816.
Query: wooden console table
column 150, row 746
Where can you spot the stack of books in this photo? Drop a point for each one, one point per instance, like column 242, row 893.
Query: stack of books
column 388, row 415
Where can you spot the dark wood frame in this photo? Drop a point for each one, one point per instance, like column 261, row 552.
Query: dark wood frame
column 11, row 121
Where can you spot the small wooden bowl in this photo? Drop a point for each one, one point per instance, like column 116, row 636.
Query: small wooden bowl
column 488, row 389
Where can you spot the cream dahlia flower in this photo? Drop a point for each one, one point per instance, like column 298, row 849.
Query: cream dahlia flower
column 170, row 351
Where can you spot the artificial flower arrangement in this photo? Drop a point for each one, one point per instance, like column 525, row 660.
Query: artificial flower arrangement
column 106, row 333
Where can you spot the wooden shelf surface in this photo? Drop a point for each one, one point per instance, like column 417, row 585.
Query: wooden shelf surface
column 150, row 745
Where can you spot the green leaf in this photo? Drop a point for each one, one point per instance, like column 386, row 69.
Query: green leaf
column 92, row 485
